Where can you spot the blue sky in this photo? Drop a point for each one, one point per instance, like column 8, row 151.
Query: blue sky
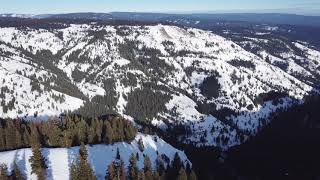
column 65, row 6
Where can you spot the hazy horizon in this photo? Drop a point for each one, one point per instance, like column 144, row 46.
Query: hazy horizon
column 262, row 11
column 301, row 7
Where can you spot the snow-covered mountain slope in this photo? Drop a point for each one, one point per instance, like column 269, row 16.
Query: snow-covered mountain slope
column 160, row 74
column 22, row 95
column 295, row 58
column 100, row 156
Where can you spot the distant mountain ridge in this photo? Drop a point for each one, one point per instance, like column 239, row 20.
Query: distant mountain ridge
column 273, row 18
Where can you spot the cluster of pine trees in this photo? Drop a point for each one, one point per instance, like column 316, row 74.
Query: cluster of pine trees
column 66, row 131
column 38, row 166
column 80, row 169
column 15, row 174
column 176, row 170
column 116, row 170
column 144, row 104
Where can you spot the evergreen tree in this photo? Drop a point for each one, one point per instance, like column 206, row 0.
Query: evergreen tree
column 85, row 170
column 16, row 173
column 74, row 170
column 54, row 133
column 111, row 172
column 116, row 171
column 34, row 135
column 122, row 171
column 140, row 145
column 3, row 172
column 156, row 176
column 109, row 136
column 182, row 174
column 147, row 168
column 26, row 136
column 99, row 127
column 176, row 165
column 133, row 168
column 2, row 139
column 82, row 130
column 141, row 175
column 192, row 175
column 118, row 157
column 91, row 134
column 188, row 168
column 38, row 162
column 10, row 133
column 160, row 166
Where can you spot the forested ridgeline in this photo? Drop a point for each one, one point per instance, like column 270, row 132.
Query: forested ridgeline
column 67, row 131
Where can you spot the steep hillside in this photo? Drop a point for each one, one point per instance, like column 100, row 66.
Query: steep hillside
column 286, row 149
column 161, row 75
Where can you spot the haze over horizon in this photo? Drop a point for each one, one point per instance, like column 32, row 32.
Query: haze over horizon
column 303, row 7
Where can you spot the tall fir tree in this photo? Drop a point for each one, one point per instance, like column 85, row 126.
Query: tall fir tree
column 111, row 172
column 34, row 134
column 133, row 168
column 85, row 170
column 156, row 176
column 141, row 145
column 147, row 168
column 4, row 172
column 176, row 165
column 188, row 168
column 118, row 157
column 16, row 173
column 116, row 171
column 119, row 166
column 74, row 170
column 109, row 135
column 182, row 174
column 160, row 167
column 10, row 135
column 192, row 175
column 122, row 175
column 142, row 175
column 2, row 139
column 38, row 161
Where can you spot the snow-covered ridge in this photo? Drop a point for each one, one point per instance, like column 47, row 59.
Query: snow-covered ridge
column 100, row 156
column 90, row 59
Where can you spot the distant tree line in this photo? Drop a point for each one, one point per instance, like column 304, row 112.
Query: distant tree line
column 66, row 131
